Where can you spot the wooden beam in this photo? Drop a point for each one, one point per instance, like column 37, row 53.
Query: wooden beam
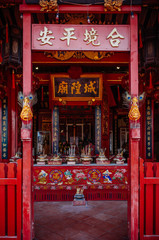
column 78, row 9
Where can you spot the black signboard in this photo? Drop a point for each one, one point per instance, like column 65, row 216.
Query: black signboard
column 82, row 89
column 148, row 129
column 4, row 129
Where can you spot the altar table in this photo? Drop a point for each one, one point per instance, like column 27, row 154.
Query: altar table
column 100, row 182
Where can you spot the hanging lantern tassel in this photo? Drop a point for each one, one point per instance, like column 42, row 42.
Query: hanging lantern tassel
column 42, row 94
column 7, row 33
column 1, row 52
column 140, row 39
column 150, row 83
column 118, row 94
column 13, row 79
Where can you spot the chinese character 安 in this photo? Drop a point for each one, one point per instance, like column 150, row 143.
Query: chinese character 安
column 45, row 37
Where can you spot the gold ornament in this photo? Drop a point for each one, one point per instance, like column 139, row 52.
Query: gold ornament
column 110, row 5
column 134, row 113
column 26, row 102
column 26, row 113
column 48, row 6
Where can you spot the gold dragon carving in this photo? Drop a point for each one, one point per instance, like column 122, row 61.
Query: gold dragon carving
column 110, row 5
column 48, row 6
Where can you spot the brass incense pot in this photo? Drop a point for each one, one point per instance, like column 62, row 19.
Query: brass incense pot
column 71, row 159
column 102, row 159
column 86, row 155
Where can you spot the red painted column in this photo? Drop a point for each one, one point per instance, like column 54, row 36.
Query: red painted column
column 26, row 133
column 134, row 134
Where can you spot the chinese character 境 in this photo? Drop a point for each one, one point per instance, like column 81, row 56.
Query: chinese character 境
column 45, row 39
column 68, row 35
column 63, row 88
column 114, row 35
column 90, row 88
column 91, row 37
column 76, row 86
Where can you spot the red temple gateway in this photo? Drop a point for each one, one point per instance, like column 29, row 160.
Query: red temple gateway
column 79, row 99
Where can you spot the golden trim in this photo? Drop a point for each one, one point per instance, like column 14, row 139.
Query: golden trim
column 112, row 5
column 48, row 6
column 66, row 55
column 70, row 99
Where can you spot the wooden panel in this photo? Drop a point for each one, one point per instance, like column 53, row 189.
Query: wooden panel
column 11, row 201
column 149, row 201
column 2, row 202
column 141, row 199
column 19, row 198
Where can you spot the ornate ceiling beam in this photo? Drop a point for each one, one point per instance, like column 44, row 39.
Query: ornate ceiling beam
column 77, row 9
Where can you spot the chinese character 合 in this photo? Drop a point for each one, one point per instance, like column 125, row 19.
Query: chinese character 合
column 76, row 86
column 45, row 39
column 68, row 35
column 114, row 35
column 63, row 88
column 91, row 37
column 90, row 88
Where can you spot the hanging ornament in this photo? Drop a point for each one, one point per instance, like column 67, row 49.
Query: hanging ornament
column 118, row 93
column 26, row 102
column 13, row 79
column 7, row 33
column 140, row 39
column 1, row 59
column 134, row 113
column 42, row 94
column 88, row 19
column 150, row 83
column 57, row 17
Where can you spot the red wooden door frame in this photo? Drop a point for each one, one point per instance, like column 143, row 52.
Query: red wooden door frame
column 134, row 133
column 26, row 134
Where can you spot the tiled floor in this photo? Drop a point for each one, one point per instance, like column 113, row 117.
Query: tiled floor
column 98, row 220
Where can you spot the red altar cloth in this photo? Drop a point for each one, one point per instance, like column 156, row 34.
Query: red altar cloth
column 89, row 177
